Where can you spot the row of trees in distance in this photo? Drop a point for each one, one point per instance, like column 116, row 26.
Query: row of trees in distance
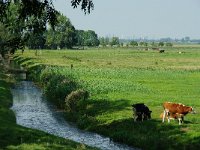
column 115, row 41
column 64, row 35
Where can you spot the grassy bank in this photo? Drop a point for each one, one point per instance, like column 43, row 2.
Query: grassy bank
column 118, row 78
column 13, row 136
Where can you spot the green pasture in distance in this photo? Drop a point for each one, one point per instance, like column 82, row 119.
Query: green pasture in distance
column 117, row 78
column 173, row 58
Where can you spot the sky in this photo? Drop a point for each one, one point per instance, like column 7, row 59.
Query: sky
column 152, row 19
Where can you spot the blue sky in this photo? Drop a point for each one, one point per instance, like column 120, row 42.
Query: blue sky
column 137, row 18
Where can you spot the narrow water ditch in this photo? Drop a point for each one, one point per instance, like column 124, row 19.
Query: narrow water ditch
column 34, row 111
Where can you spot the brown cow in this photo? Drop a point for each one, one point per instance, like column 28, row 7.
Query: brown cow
column 176, row 109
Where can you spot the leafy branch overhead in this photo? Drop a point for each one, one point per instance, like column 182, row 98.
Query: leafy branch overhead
column 38, row 7
column 86, row 5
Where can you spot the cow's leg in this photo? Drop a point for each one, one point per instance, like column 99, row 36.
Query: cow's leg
column 142, row 116
column 164, row 115
column 135, row 116
column 179, row 120
column 182, row 119
column 168, row 116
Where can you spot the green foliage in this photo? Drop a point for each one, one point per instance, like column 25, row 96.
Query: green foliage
column 153, row 44
column 169, row 44
column 63, row 34
column 114, row 41
column 25, row 19
column 11, row 31
column 90, row 38
column 161, row 44
column 4, row 36
column 143, row 44
column 57, row 86
column 73, row 100
column 80, row 37
column 133, row 43
column 36, row 41
column 86, row 5
column 86, row 38
column 104, row 41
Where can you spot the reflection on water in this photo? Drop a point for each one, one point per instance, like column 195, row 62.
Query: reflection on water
column 33, row 111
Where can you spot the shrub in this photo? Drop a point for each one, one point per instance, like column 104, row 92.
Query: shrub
column 57, row 86
column 74, row 101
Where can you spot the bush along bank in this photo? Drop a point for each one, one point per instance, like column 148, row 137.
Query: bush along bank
column 13, row 136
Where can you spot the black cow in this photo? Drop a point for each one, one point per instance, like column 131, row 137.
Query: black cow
column 161, row 50
column 141, row 112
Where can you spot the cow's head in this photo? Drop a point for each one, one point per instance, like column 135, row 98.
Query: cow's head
column 192, row 110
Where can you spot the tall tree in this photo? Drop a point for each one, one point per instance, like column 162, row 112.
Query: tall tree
column 36, row 41
column 87, row 38
column 161, row 44
column 114, row 41
column 80, row 37
column 12, row 35
column 133, row 43
column 63, row 35
column 102, row 41
column 33, row 16
column 90, row 38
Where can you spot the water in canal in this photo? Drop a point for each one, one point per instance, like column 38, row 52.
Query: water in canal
column 34, row 111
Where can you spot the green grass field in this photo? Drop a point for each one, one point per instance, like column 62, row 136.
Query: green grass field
column 117, row 78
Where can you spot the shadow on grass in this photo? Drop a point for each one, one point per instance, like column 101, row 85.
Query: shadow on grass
column 97, row 107
column 20, row 60
column 151, row 134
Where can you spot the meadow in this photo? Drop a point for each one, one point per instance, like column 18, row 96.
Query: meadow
column 117, row 78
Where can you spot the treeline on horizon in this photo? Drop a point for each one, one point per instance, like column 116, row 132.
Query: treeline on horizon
column 65, row 35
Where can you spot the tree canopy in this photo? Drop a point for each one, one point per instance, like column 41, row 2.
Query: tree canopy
column 31, row 16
